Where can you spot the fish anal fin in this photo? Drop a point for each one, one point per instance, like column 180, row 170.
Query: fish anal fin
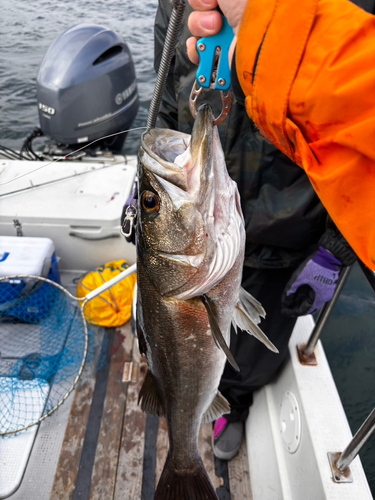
column 242, row 320
column 149, row 398
column 219, row 407
column 216, row 332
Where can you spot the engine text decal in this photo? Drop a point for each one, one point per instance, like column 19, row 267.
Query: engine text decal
column 122, row 96
column 46, row 109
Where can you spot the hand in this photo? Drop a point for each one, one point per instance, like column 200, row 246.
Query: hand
column 311, row 285
column 207, row 22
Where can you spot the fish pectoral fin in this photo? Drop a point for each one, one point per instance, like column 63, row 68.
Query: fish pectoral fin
column 149, row 398
column 216, row 332
column 250, row 304
column 247, row 314
column 219, row 407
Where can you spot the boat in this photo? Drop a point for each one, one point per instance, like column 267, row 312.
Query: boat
column 98, row 444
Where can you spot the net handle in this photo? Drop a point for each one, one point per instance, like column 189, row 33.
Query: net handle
column 124, row 274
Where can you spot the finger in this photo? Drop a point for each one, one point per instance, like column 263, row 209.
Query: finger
column 191, row 45
column 231, row 50
column 205, row 23
column 203, row 5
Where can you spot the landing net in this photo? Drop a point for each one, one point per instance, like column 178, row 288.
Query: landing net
column 44, row 342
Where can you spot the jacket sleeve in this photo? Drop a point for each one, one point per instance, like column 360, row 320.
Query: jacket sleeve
column 307, row 70
column 168, row 113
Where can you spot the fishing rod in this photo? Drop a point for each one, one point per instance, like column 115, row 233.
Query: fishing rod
column 161, row 80
column 166, row 58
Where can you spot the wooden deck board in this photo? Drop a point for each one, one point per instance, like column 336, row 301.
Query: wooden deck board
column 70, row 454
column 239, row 477
column 207, row 454
column 117, row 472
column 107, row 452
column 130, row 472
column 162, row 444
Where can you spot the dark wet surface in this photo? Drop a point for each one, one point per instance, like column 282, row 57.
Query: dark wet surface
column 349, row 343
column 27, row 31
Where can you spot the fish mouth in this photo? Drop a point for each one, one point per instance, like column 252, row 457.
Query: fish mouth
column 182, row 163
column 159, row 150
column 201, row 144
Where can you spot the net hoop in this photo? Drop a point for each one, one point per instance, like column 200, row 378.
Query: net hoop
column 82, row 302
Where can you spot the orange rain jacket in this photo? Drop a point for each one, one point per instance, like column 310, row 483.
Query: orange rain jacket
column 307, row 68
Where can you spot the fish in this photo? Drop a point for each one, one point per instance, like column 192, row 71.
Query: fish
column 190, row 241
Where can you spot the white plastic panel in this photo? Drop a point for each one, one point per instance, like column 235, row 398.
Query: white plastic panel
column 15, row 449
column 76, row 204
column 277, row 474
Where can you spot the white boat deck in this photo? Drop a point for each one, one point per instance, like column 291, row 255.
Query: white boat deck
column 294, row 422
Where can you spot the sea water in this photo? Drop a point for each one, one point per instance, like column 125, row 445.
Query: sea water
column 27, row 31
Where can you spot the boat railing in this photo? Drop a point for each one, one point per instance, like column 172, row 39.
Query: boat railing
column 306, row 352
column 340, row 462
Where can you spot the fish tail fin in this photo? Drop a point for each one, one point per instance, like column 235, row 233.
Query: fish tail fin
column 185, row 485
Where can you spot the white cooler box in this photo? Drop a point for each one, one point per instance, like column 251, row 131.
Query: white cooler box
column 77, row 204
column 22, row 256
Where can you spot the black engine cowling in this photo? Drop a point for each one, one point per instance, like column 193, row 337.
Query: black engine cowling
column 86, row 87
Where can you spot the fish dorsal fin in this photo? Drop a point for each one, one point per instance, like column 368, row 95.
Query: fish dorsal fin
column 247, row 315
column 216, row 332
column 218, row 407
column 149, row 398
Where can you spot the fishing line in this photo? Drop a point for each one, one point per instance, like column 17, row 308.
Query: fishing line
column 71, row 153
column 54, row 181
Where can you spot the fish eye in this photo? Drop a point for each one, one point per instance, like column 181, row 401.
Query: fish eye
column 150, row 202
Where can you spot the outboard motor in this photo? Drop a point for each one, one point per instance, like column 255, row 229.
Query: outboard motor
column 86, row 88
